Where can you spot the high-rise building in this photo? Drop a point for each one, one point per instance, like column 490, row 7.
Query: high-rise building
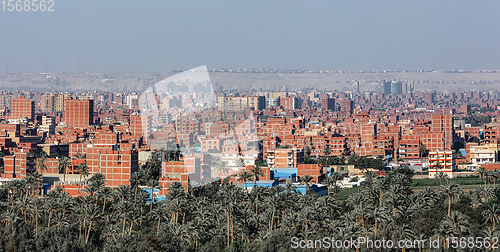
column 22, row 108
column 386, row 86
column 256, row 102
column 59, row 102
column 138, row 125
column 5, row 101
column 79, row 113
column 328, row 104
column 355, row 86
column 47, row 103
column 272, row 102
column 444, row 123
column 291, row 102
column 238, row 103
column 347, row 106
column 397, row 87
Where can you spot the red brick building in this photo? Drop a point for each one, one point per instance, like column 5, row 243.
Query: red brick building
column 328, row 104
column 22, row 108
column 79, row 113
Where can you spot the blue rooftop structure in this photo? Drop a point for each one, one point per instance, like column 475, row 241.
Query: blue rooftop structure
column 264, row 183
column 284, row 173
column 319, row 190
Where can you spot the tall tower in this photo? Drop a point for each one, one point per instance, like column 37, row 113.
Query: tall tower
column 386, row 87
column 355, row 86
column 397, row 87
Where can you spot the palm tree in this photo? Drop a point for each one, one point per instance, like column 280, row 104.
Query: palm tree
column 379, row 214
column 96, row 181
column 307, row 179
column 160, row 212
column 442, row 176
column 83, row 170
column 42, row 164
column 35, row 181
column 488, row 177
column 495, row 174
column 332, row 182
column 451, row 190
column 135, row 179
column 124, row 208
column 369, row 176
column 92, row 213
column 256, row 172
column 10, row 217
column 488, row 192
column 24, row 205
column 106, row 193
column 403, row 232
column 244, row 177
column 459, row 221
column 122, row 191
column 490, row 233
column 482, row 174
column 64, row 164
column 491, row 214
column 37, row 203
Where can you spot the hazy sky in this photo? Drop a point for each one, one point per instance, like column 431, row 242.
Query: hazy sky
column 158, row 36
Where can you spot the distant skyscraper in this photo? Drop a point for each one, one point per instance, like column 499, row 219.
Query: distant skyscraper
column 386, row 86
column 397, row 87
column 355, row 86
column 79, row 113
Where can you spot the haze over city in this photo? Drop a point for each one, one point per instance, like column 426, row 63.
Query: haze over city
column 160, row 36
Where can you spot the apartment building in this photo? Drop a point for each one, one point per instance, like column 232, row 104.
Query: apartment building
column 442, row 161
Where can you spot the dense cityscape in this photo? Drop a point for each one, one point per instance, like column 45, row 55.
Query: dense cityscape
column 245, row 171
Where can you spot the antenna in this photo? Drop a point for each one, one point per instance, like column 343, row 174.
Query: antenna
column 78, row 64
